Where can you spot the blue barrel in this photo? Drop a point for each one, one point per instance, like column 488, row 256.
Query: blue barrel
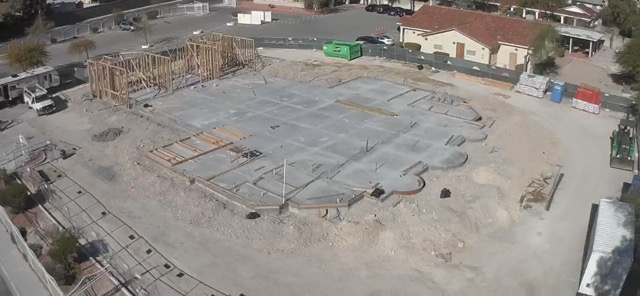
column 556, row 91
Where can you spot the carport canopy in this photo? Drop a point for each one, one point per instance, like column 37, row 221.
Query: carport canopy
column 582, row 34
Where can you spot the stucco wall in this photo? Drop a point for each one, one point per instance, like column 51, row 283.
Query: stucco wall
column 503, row 56
column 447, row 40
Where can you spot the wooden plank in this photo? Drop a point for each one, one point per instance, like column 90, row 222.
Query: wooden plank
column 170, row 153
column 213, row 140
column 227, row 133
column 160, row 155
column 365, row 108
column 238, row 131
column 188, row 147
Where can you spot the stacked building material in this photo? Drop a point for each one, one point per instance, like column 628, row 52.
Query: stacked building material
column 532, row 85
column 587, row 98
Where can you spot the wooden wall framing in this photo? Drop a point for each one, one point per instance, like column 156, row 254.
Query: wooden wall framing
column 115, row 77
column 211, row 56
column 207, row 57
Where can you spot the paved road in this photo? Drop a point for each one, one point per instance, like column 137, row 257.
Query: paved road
column 18, row 273
column 346, row 25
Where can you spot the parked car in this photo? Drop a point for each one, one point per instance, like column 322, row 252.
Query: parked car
column 127, row 25
column 382, row 9
column 368, row 40
column 384, row 39
column 399, row 11
column 371, row 7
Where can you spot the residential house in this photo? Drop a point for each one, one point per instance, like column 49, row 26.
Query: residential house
column 485, row 38
column 580, row 15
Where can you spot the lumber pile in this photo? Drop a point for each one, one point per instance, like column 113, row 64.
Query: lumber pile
column 532, row 85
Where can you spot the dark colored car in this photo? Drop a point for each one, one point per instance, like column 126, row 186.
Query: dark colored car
column 371, row 7
column 382, row 9
column 399, row 11
column 369, row 40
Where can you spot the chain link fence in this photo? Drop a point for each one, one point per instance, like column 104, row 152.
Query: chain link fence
column 438, row 62
column 34, row 263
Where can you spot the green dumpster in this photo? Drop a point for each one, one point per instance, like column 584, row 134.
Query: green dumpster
column 342, row 49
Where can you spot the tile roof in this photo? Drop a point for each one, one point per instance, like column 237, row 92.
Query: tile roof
column 488, row 29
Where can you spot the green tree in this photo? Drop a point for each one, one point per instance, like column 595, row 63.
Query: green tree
column 82, row 46
column 29, row 9
column 547, row 5
column 145, row 29
column 15, row 197
column 26, row 56
column 64, row 254
column 629, row 59
column 619, row 15
column 544, row 50
column 40, row 27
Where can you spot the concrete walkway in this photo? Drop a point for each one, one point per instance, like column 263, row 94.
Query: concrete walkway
column 15, row 270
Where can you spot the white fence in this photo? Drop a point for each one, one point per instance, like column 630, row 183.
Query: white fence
column 197, row 8
column 31, row 258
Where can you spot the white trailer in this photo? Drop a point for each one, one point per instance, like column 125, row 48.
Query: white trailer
column 38, row 99
column 12, row 87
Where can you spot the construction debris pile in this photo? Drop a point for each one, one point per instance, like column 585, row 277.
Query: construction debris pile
column 107, row 135
column 532, row 85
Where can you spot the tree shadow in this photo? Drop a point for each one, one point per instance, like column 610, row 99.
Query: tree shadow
column 613, row 270
column 546, row 67
column 622, row 78
column 94, row 249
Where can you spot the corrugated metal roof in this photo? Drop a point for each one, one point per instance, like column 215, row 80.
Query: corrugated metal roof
column 612, row 249
column 613, row 225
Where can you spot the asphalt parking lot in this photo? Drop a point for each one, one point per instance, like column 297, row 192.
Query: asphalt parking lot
column 346, row 25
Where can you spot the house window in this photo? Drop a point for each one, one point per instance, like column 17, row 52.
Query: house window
column 471, row 53
column 437, row 46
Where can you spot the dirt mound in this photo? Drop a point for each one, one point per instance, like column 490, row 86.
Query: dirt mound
column 108, row 135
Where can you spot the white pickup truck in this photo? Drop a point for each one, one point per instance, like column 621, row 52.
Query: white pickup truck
column 37, row 98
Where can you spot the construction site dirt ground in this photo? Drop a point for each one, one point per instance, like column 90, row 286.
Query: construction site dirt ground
column 399, row 246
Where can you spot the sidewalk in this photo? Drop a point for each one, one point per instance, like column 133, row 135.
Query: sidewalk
column 15, row 270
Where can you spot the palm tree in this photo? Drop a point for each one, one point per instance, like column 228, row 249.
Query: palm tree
column 145, row 29
column 82, row 45
column 26, row 56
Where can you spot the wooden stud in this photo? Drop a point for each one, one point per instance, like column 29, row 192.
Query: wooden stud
column 188, row 147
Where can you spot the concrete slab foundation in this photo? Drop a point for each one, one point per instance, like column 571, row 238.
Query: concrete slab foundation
column 339, row 143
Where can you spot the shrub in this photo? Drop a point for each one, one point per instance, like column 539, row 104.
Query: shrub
column 520, row 67
column 440, row 53
column 54, row 40
column 152, row 15
column 64, row 253
column 137, row 19
column 412, row 46
column 15, row 197
column 94, row 30
column 118, row 16
column 235, row 13
column 560, row 52
column 36, row 249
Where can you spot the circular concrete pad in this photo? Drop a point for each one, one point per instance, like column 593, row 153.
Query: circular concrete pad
column 445, row 157
column 474, row 135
